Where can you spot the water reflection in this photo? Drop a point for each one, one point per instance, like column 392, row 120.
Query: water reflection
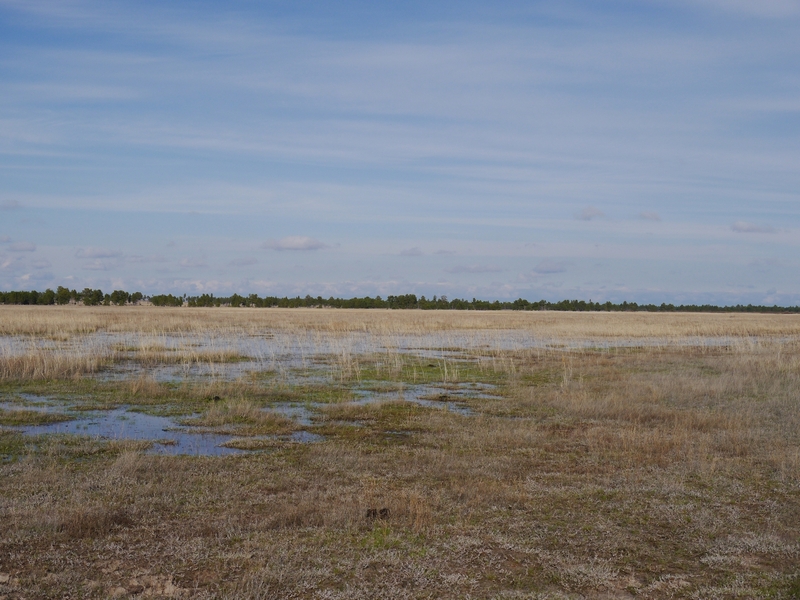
column 123, row 424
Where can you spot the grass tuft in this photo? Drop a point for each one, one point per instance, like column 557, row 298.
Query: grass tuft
column 93, row 522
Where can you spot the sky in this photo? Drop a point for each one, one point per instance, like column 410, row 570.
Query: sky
column 643, row 150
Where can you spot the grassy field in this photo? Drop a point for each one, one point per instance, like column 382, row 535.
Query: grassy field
column 446, row 454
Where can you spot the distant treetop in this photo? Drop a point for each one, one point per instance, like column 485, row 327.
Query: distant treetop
column 92, row 297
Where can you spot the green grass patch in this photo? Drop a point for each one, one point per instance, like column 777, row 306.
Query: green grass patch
column 30, row 417
column 13, row 445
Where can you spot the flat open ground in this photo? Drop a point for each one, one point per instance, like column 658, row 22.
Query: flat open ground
column 265, row 453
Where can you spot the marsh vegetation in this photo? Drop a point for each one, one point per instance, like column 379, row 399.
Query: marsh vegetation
column 398, row 454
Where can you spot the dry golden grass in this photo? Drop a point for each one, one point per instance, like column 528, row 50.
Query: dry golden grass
column 95, row 521
column 47, row 364
column 73, row 341
column 663, row 471
column 242, row 417
column 60, row 322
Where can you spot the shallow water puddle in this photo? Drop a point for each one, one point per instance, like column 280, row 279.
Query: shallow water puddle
column 428, row 395
column 448, row 397
column 122, row 424
column 477, row 391
column 125, row 371
column 32, row 402
column 300, row 413
column 167, row 436
column 12, row 406
column 306, row 437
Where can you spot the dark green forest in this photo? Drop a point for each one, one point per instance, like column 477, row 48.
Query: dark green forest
column 63, row 295
column 92, row 297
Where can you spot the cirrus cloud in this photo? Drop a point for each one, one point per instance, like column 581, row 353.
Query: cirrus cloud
column 100, row 265
column 152, row 258
column 474, row 269
column 548, row 267
column 193, row 263
column 590, row 213
column 649, row 216
column 745, row 227
column 294, row 242
column 22, row 247
column 96, row 253
column 242, row 262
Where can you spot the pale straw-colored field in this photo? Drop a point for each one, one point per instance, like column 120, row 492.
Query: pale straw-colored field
column 402, row 454
column 56, row 322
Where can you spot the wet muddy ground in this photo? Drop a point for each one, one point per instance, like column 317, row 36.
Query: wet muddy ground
column 438, row 465
column 175, row 435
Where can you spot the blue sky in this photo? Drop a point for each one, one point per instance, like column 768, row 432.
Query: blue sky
column 645, row 150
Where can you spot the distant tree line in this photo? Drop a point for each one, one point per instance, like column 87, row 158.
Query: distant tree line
column 92, row 297
column 411, row 301
column 63, row 295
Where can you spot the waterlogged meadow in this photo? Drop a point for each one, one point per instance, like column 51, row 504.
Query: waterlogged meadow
column 322, row 453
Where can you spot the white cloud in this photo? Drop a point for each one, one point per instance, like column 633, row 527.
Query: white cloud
column 548, row 267
column 744, row 227
column 152, row 258
column 766, row 263
column 474, row 269
column 650, row 216
column 99, row 265
column 590, row 213
column 4, row 239
column 7, row 263
column 242, row 262
column 22, row 247
column 294, row 242
column 97, row 253
column 202, row 286
column 415, row 251
column 193, row 263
